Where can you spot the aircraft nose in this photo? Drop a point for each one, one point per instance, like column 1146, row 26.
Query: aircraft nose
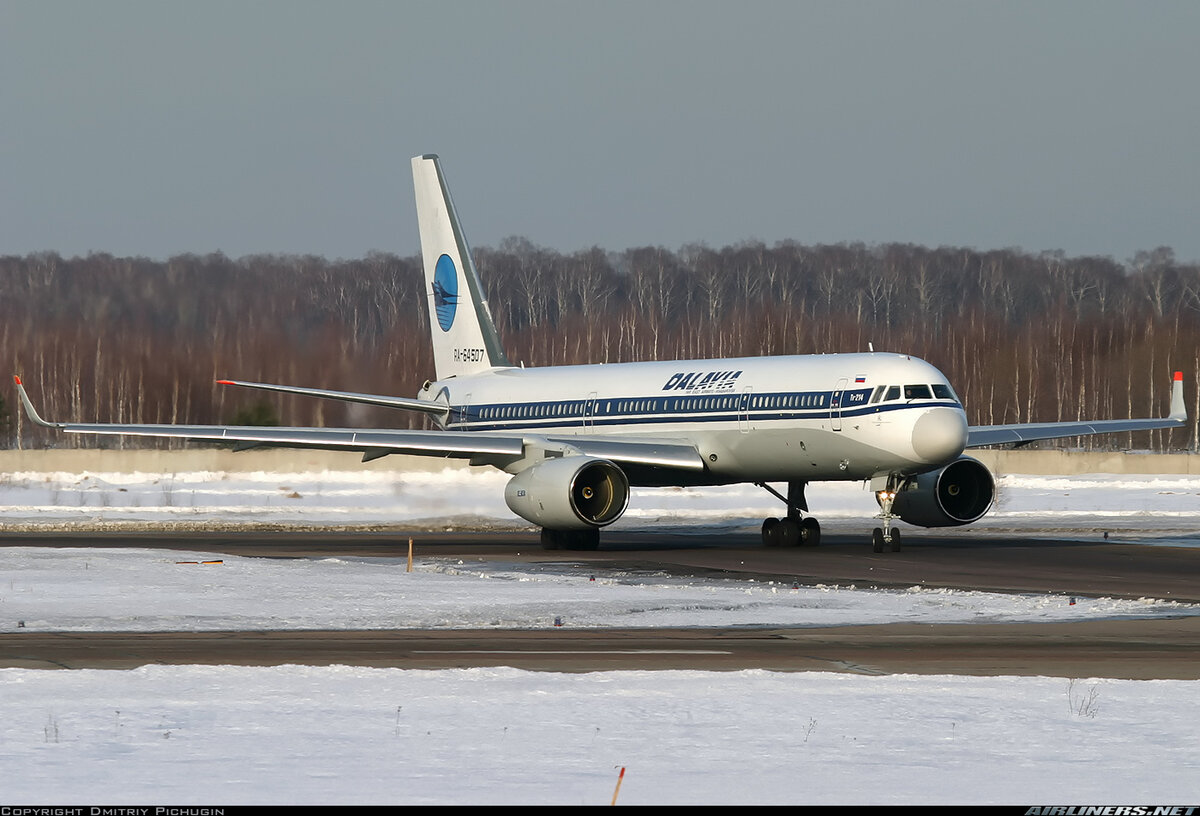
column 940, row 434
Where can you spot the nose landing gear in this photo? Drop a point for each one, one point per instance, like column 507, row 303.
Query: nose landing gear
column 884, row 538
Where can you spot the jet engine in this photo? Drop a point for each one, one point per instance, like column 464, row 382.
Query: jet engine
column 570, row 493
column 959, row 493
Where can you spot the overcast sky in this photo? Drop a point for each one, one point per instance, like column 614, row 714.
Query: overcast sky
column 157, row 128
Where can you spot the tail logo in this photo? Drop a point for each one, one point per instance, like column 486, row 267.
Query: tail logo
column 445, row 291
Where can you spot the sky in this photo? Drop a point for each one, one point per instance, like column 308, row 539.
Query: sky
column 154, row 129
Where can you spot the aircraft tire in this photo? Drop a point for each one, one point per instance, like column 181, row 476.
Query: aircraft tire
column 810, row 532
column 788, row 532
column 584, row 540
column 770, row 532
column 877, row 540
column 570, row 539
column 895, row 541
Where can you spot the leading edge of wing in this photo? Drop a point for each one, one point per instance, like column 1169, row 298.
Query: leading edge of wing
column 981, row 435
column 457, row 444
column 427, row 443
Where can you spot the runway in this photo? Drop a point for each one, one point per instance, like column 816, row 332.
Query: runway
column 1138, row 650
column 1012, row 563
column 1143, row 649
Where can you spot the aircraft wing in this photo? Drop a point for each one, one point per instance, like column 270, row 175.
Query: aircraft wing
column 982, row 435
column 374, row 443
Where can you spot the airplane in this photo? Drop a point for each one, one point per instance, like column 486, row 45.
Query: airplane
column 576, row 438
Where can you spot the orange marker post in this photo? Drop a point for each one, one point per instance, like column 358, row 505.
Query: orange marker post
column 620, row 776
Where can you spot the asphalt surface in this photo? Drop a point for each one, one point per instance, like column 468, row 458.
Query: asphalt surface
column 1142, row 649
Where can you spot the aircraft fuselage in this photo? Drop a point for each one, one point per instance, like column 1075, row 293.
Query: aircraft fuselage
column 809, row 418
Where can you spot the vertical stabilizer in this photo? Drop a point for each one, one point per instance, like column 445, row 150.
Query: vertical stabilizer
column 464, row 337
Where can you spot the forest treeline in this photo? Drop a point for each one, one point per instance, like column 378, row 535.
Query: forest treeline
column 1023, row 337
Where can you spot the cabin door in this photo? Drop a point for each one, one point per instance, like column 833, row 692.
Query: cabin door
column 744, row 410
column 589, row 410
column 835, row 404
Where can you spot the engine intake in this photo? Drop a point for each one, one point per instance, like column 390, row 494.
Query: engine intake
column 959, row 493
column 571, row 493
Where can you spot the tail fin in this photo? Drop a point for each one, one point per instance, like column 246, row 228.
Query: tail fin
column 464, row 337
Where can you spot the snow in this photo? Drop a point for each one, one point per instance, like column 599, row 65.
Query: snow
column 310, row 735
column 74, row 590
column 305, row 735
column 1131, row 506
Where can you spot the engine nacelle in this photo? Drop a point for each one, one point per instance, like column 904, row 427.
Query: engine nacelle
column 959, row 493
column 570, row 493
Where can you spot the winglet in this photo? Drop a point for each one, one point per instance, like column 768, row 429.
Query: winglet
column 1178, row 409
column 29, row 409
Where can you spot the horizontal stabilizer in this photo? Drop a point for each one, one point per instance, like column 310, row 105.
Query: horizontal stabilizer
column 437, row 409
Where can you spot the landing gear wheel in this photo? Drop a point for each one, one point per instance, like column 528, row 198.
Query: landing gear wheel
column 788, row 532
column 770, row 532
column 583, row 540
column 810, row 532
column 877, row 540
column 570, row 539
column 791, row 530
column 895, row 541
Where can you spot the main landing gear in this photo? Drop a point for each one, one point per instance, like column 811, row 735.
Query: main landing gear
column 791, row 530
column 570, row 539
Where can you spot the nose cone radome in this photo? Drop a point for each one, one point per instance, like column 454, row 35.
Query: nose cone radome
column 940, row 434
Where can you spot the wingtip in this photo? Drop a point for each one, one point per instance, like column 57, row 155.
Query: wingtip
column 1178, row 408
column 30, row 411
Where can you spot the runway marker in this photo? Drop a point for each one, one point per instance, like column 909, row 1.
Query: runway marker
column 573, row 651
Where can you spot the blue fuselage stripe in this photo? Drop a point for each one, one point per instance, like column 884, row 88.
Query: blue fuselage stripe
column 617, row 411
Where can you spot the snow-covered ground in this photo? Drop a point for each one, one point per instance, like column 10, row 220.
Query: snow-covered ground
column 305, row 735
column 72, row 590
column 1131, row 506
column 309, row 735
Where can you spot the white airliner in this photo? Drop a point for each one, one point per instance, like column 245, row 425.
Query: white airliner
column 575, row 438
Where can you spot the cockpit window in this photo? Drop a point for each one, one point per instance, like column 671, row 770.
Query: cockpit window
column 942, row 391
column 877, row 393
column 892, row 393
column 917, row 392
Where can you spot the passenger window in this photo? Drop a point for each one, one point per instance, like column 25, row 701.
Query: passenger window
column 917, row 392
